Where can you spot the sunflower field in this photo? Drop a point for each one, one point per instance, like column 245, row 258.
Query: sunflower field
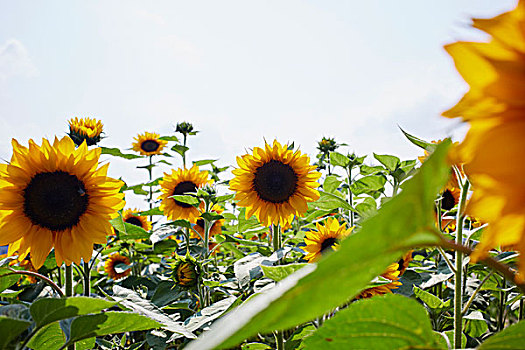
column 282, row 250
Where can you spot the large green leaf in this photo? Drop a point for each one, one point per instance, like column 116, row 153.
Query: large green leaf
column 330, row 201
column 390, row 322
column 7, row 281
column 106, row 323
column 512, row 337
column 404, row 222
column 50, row 337
column 390, row 162
column 368, row 184
column 47, row 310
column 127, row 230
column 10, row 328
column 278, row 273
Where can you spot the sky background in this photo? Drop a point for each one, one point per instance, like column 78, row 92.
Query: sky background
column 240, row 71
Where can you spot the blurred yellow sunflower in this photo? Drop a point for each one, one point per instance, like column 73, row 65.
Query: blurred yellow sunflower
column 324, row 239
column 404, row 262
column 55, row 196
column 130, row 216
column 181, row 181
column 392, row 274
column 117, row 266
column 88, row 129
column 148, row 144
column 216, row 228
column 494, row 145
column 275, row 183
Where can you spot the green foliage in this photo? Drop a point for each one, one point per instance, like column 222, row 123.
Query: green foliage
column 117, row 153
column 10, row 328
column 389, row 322
column 401, row 223
column 7, row 281
column 278, row 273
column 512, row 337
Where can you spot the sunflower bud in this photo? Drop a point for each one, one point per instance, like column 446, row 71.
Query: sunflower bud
column 85, row 129
column 186, row 272
column 327, row 145
column 185, row 128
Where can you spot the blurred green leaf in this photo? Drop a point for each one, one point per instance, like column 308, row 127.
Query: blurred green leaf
column 389, row 322
column 429, row 147
column 117, row 153
column 371, row 170
column 404, row 222
column 169, row 138
column 188, row 199
column 204, row 162
column 329, row 201
column 278, row 273
column 368, row 184
column 512, row 337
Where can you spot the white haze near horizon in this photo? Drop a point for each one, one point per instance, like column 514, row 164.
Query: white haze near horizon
column 240, row 71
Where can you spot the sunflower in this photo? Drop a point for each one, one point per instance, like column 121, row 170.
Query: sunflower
column 324, row 239
column 275, row 183
column 130, row 216
column 392, row 274
column 148, row 144
column 186, row 271
column 450, row 198
column 55, row 196
column 494, row 145
column 404, row 262
column 216, row 228
column 88, row 129
column 117, row 266
column 181, row 181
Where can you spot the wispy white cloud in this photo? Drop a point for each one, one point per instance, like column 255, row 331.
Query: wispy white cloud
column 15, row 60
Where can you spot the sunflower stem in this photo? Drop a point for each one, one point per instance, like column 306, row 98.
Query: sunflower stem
column 279, row 340
column 277, row 239
column 87, row 279
column 150, row 172
column 458, row 279
column 52, row 284
column 350, row 199
column 521, row 312
column 69, row 280
column 502, row 302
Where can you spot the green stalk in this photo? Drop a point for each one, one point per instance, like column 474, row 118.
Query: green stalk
column 502, row 301
column 458, row 278
column 69, row 280
column 350, row 199
column 521, row 310
column 87, row 279
column 276, row 236
column 52, row 284
column 150, row 172
column 279, row 340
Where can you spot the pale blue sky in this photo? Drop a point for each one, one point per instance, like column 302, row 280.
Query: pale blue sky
column 240, row 71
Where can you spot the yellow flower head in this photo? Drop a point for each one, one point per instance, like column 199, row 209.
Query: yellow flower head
column 179, row 182
column 494, row 147
column 324, row 239
column 85, row 129
column 129, row 216
column 275, row 183
column 56, row 196
column 216, row 228
column 112, row 268
column 392, row 273
column 186, row 271
column 148, row 144
column 404, row 262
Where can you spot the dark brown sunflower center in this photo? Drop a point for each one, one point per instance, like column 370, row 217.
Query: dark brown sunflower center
column 150, row 146
column 328, row 243
column 134, row 221
column 200, row 223
column 184, row 187
column 448, row 201
column 55, row 200
column 275, row 181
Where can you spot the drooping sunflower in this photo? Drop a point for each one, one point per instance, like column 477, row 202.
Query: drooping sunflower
column 117, row 266
column 56, row 196
column 216, row 228
column 495, row 109
column 129, row 216
column 88, row 129
column 324, row 239
column 148, row 144
column 392, row 274
column 181, row 181
column 186, row 271
column 404, row 262
column 275, row 183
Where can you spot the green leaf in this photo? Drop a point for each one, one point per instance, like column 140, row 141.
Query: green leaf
column 50, row 337
column 127, row 230
column 512, row 337
column 389, row 322
column 430, row 147
column 180, row 149
column 337, row 159
column 331, row 183
column 154, row 211
column 367, row 206
column 278, row 273
column 188, row 199
column 117, row 153
column 475, row 324
column 431, row 300
column 368, row 184
column 329, row 201
column 390, row 162
column 204, row 162
column 47, row 310
column 180, row 223
column 10, row 328
column 224, row 198
column 404, row 222
column 212, row 216
column 255, row 346
column 106, row 323
column 169, row 138
column 7, row 281
column 370, row 170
